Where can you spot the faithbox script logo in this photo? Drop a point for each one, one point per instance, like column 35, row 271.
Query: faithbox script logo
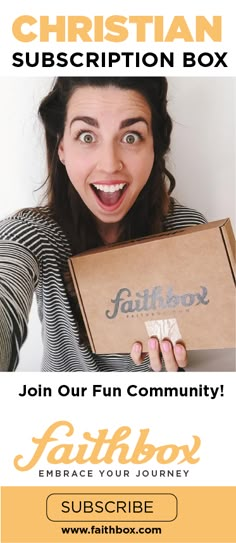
column 102, row 448
column 153, row 299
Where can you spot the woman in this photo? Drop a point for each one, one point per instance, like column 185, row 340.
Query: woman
column 106, row 139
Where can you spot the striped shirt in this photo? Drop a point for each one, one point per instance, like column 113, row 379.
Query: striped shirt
column 34, row 256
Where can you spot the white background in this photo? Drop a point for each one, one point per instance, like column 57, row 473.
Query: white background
column 90, row 8
column 170, row 420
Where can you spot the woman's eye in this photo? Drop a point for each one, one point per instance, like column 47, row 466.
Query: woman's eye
column 86, row 137
column 131, row 137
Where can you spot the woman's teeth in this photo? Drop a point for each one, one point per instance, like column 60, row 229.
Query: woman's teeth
column 109, row 188
column 109, row 195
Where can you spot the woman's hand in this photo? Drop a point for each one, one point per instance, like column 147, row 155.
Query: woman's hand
column 174, row 356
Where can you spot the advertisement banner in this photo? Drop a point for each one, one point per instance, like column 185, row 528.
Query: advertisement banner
column 96, row 457
column 117, row 447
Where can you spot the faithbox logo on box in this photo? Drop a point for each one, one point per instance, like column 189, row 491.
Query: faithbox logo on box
column 153, row 299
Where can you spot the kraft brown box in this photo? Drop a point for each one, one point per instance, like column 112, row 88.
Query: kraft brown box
column 178, row 284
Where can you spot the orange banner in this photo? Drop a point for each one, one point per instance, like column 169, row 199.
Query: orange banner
column 117, row 514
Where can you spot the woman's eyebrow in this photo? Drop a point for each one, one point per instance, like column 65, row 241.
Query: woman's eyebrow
column 133, row 120
column 93, row 122
column 85, row 119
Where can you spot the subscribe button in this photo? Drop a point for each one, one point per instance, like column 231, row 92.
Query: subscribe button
column 102, row 507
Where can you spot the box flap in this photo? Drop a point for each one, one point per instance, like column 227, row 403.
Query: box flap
column 82, row 309
column 162, row 235
column 229, row 242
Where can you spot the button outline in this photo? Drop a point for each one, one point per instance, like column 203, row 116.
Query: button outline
column 112, row 494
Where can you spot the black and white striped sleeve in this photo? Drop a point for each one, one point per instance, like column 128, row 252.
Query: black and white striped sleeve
column 19, row 272
column 182, row 217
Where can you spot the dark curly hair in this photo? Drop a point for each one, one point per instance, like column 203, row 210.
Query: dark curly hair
column 153, row 203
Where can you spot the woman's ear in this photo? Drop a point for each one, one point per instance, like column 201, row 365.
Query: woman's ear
column 61, row 152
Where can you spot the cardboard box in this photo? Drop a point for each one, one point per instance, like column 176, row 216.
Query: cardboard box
column 178, row 284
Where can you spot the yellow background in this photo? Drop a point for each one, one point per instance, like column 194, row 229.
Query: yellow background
column 205, row 515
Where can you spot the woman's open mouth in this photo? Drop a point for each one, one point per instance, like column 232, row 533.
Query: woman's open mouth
column 109, row 195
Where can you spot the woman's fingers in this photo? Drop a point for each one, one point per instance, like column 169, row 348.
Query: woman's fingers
column 174, row 357
column 180, row 355
column 154, row 354
column 136, row 353
column 153, row 351
column 168, row 356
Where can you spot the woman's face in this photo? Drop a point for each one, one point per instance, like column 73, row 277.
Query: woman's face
column 107, row 148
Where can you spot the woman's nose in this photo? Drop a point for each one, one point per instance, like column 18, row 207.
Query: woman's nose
column 109, row 160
